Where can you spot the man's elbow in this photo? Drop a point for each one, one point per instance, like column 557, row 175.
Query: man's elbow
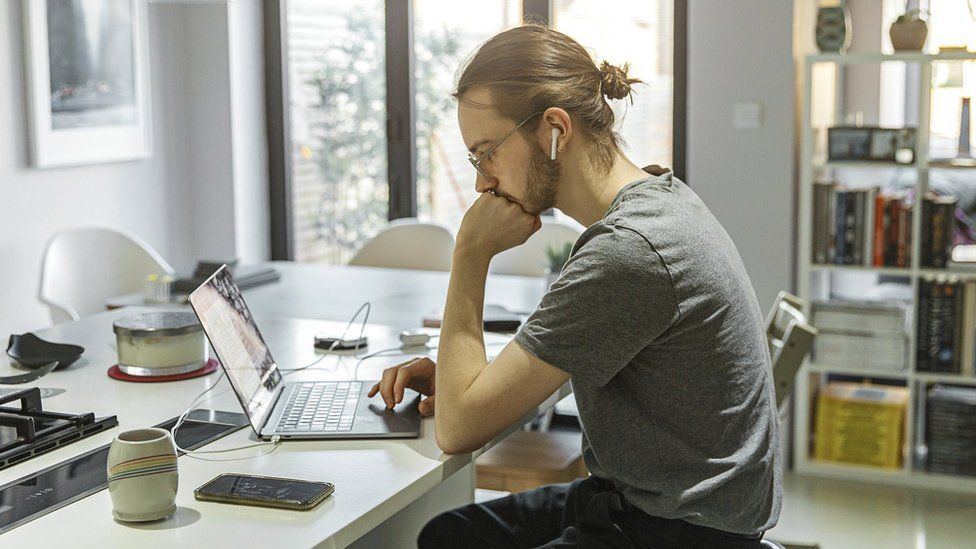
column 453, row 438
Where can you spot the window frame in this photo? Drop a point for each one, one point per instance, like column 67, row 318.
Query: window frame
column 400, row 109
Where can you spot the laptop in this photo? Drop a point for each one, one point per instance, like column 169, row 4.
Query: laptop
column 297, row 410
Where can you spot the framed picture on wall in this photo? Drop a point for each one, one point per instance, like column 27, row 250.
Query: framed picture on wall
column 87, row 81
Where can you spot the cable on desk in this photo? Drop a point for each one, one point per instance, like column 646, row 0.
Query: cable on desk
column 275, row 440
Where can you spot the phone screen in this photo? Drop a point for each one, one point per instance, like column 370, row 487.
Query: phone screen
column 246, row 487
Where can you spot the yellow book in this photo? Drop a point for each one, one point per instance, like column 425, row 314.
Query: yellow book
column 861, row 424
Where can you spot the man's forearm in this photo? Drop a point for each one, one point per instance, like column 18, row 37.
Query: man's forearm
column 461, row 351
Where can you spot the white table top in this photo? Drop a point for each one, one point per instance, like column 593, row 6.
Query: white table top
column 399, row 297
column 374, row 479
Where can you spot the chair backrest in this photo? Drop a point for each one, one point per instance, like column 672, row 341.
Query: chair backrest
column 408, row 244
column 529, row 259
column 84, row 267
column 790, row 340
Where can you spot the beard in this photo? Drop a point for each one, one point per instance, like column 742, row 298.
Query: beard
column 542, row 182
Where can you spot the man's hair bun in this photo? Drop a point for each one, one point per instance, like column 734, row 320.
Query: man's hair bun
column 614, row 82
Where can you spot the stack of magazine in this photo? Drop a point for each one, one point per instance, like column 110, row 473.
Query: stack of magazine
column 861, row 334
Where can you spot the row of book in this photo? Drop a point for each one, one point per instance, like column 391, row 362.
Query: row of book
column 866, row 227
column 946, row 329
column 950, row 430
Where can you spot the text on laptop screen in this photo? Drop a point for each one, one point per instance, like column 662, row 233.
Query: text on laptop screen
column 241, row 349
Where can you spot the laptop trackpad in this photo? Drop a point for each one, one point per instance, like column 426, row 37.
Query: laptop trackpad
column 403, row 419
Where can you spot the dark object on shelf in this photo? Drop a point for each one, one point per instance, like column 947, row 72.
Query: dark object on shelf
column 833, row 28
column 871, row 144
column 950, row 430
column 246, row 276
column 27, row 430
column 33, row 352
column 909, row 31
column 59, row 485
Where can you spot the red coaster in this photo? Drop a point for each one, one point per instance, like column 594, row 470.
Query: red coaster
column 209, row 368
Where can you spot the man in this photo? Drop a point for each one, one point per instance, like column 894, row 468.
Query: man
column 653, row 320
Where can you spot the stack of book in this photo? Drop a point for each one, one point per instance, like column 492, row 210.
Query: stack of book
column 950, row 430
column 938, row 215
column 946, row 330
column 860, row 424
column 862, row 334
column 861, row 227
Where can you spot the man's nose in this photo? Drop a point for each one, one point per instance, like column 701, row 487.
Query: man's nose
column 484, row 184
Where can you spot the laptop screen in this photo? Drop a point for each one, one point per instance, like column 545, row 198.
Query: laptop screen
column 235, row 337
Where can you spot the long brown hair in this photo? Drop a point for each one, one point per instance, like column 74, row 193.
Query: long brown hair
column 532, row 67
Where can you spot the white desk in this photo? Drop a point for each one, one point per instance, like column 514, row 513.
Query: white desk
column 399, row 297
column 385, row 490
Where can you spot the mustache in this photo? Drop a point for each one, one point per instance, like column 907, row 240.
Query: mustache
column 513, row 200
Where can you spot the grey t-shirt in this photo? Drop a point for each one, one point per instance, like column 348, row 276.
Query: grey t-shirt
column 656, row 322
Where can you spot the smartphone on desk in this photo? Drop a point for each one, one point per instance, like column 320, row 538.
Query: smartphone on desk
column 281, row 493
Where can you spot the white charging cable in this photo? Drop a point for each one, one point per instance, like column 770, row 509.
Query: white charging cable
column 275, row 440
column 362, row 329
column 409, row 340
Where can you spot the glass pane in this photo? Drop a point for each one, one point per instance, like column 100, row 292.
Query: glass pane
column 445, row 33
column 337, row 104
column 639, row 32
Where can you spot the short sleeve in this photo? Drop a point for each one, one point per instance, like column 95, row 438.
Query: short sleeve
column 613, row 298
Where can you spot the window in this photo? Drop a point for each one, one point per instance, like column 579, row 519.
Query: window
column 339, row 175
column 446, row 34
column 337, row 109
column 639, row 32
column 951, row 23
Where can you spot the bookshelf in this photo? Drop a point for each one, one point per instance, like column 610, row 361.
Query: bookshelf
column 813, row 278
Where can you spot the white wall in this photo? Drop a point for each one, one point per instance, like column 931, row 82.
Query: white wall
column 203, row 194
column 35, row 204
column 742, row 51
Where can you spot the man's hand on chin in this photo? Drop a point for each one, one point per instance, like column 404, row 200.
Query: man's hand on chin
column 492, row 225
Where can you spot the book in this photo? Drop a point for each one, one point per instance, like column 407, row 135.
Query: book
column 969, row 329
column 840, row 256
column 822, row 193
column 904, row 246
column 880, row 223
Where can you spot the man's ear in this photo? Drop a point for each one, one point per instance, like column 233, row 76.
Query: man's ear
column 555, row 118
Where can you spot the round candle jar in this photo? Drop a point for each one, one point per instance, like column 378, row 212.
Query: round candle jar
column 160, row 344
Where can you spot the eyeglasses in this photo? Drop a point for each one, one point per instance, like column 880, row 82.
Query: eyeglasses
column 477, row 160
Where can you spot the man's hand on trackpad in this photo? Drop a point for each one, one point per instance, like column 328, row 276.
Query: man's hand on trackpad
column 417, row 374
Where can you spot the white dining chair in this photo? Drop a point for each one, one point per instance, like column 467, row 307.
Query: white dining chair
column 529, row 259
column 84, row 267
column 408, row 244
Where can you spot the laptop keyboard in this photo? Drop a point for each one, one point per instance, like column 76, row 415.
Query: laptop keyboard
column 321, row 407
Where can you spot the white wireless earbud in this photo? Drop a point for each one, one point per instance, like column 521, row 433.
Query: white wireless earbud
column 552, row 144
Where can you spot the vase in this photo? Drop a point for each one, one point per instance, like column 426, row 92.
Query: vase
column 908, row 35
column 964, row 129
column 833, row 28
column 142, row 475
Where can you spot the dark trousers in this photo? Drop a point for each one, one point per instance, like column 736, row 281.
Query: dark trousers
column 584, row 513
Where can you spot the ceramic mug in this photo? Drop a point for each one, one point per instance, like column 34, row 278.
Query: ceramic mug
column 142, row 475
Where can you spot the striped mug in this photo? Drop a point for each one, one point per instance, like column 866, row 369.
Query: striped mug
column 142, row 475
